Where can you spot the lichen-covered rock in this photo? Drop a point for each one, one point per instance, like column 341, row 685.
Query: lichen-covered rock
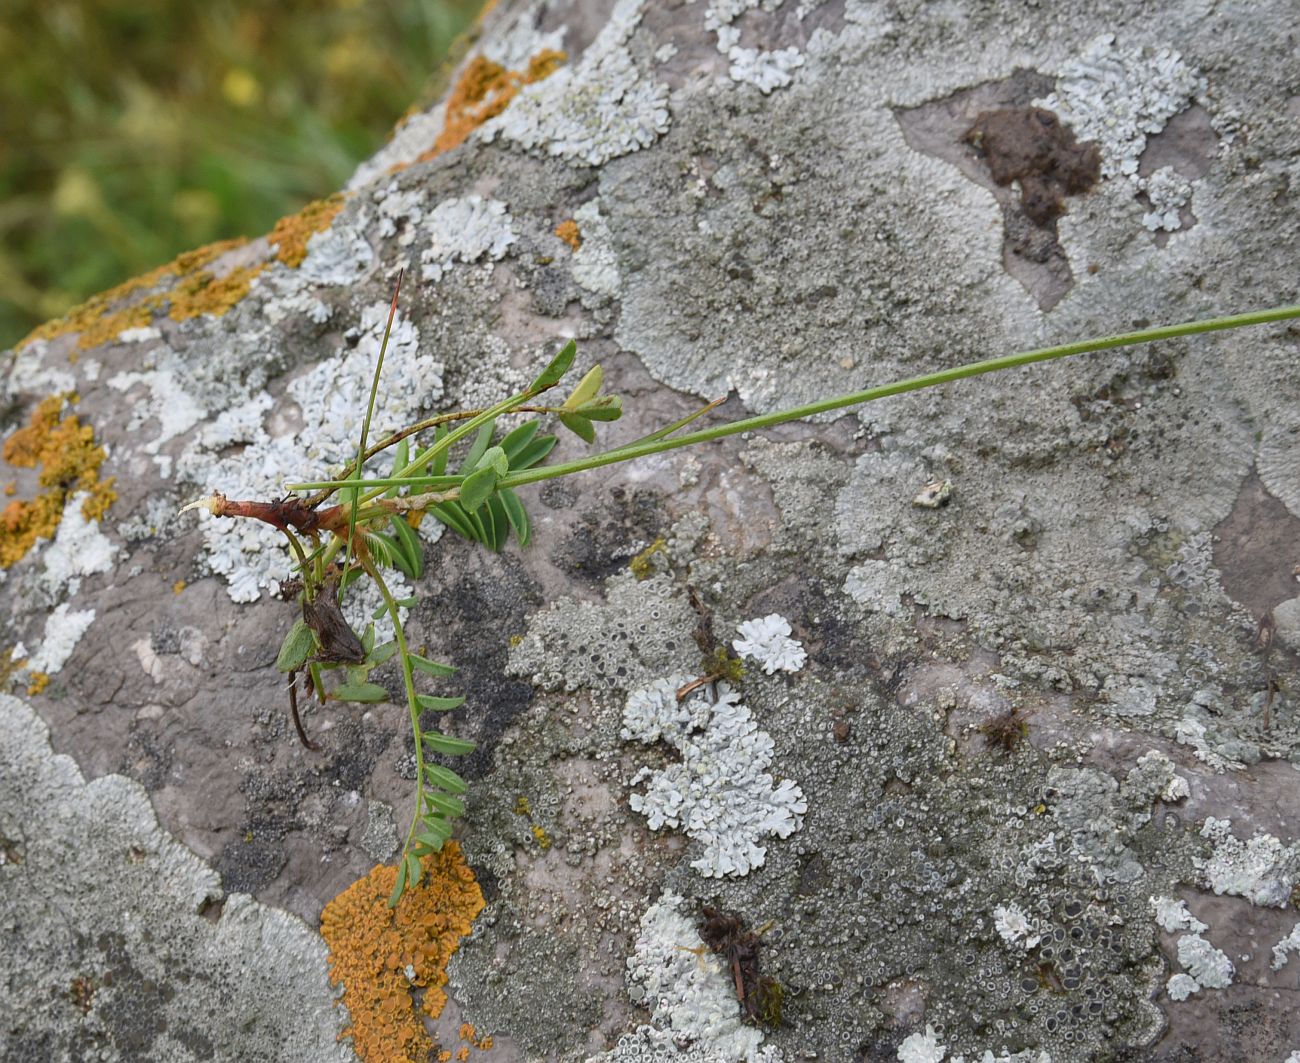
column 179, row 971
column 774, row 200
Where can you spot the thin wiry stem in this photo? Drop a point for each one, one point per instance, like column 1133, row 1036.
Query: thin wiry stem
column 749, row 424
column 412, row 704
column 365, row 424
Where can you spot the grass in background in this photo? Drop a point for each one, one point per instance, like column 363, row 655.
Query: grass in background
column 132, row 130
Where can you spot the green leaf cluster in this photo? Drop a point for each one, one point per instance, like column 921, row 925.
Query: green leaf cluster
column 486, row 513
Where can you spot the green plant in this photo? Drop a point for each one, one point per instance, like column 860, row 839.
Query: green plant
column 370, row 527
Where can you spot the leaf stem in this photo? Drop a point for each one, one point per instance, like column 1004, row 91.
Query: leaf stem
column 408, row 680
column 365, row 426
column 943, row 376
column 655, row 443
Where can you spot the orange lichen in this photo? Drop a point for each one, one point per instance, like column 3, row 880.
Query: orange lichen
column 178, row 586
column 291, row 233
column 9, row 666
column 134, row 303
column 205, row 293
column 569, row 232
column 69, row 462
column 484, row 90
column 543, row 839
column 36, row 683
column 472, row 1040
column 104, row 316
column 379, row 953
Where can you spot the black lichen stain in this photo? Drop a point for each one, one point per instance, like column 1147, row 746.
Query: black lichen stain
column 725, row 935
column 278, row 800
column 246, row 866
column 1033, row 146
column 605, row 540
column 468, row 611
column 133, row 1014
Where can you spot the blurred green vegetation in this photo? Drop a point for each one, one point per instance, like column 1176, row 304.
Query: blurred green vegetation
column 132, row 130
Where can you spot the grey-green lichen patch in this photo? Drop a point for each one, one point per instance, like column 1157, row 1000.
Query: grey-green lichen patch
column 1262, row 870
column 605, row 106
column 107, row 951
column 643, row 631
column 1119, row 96
column 721, row 792
column 766, row 69
column 690, row 993
column 595, row 265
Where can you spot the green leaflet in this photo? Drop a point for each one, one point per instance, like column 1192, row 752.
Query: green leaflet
column 430, row 703
column 412, row 548
column 605, row 408
column 381, row 653
column 445, row 778
column 518, row 439
column 399, row 887
column 455, row 518
column 476, row 451
column 516, row 514
column 588, row 388
column 579, row 426
column 423, row 664
column 495, row 458
column 454, row 747
column 365, row 693
column 531, row 453
column 476, row 488
column 436, row 830
column 555, row 370
column 445, row 803
column 298, row 645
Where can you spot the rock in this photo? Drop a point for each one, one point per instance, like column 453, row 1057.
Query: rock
column 777, row 202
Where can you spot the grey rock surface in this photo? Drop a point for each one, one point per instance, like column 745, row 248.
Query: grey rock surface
column 119, row 943
column 776, row 200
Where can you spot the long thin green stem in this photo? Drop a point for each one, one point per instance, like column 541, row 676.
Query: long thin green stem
column 365, row 425
column 408, row 680
column 916, row 383
column 749, row 424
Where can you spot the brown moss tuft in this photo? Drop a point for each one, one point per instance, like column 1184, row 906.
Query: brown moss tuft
column 484, row 90
column 569, row 232
column 291, row 233
column 1006, row 730
column 64, row 449
column 378, row 954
